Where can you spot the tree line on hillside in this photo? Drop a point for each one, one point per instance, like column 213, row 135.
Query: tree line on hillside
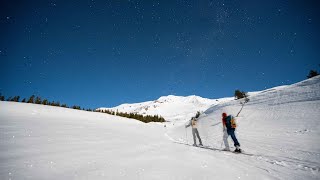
column 238, row 94
column 145, row 119
column 38, row 100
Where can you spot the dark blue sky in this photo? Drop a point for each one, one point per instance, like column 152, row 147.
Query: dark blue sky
column 104, row 53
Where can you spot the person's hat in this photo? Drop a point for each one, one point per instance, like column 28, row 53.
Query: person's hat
column 224, row 114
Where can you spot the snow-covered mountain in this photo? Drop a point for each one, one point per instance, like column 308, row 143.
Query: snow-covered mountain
column 172, row 108
column 279, row 128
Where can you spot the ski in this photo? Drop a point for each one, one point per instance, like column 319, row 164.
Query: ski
column 214, row 149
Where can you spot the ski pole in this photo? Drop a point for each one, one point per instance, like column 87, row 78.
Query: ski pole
column 222, row 139
column 186, row 135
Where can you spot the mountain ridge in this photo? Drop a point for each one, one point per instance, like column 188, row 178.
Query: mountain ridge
column 171, row 107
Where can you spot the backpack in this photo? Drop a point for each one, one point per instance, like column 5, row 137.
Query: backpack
column 230, row 122
column 193, row 122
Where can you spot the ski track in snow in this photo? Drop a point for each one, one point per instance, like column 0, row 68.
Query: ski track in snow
column 278, row 130
column 279, row 126
column 285, row 162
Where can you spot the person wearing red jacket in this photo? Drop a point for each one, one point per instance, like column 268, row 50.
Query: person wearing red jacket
column 229, row 127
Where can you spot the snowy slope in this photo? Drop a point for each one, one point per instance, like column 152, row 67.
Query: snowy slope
column 172, row 108
column 43, row 142
column 279, row 127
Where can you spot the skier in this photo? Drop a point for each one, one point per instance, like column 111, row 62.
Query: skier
column 229, row 126
column 193, row 123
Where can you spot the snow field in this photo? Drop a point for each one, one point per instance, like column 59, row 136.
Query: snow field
column 279, row 127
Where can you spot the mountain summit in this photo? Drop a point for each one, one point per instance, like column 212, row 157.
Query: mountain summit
column 171, row 107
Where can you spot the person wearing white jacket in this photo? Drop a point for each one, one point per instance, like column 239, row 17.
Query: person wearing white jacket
column 195, row 132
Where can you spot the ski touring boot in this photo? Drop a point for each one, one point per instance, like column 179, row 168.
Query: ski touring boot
column 238, row 150
column 226, row 149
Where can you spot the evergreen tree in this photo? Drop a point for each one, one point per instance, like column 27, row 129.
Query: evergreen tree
column 31, row 99
column 240, row 94
column 23, row 100
column 64, row 105
column 38, row 100
column 162, row 119
column 2, row 98
column 45, row 102
column 312, row 73
column 52, row 103
column 198, row 114
column 15, row 99
column 76, row 107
